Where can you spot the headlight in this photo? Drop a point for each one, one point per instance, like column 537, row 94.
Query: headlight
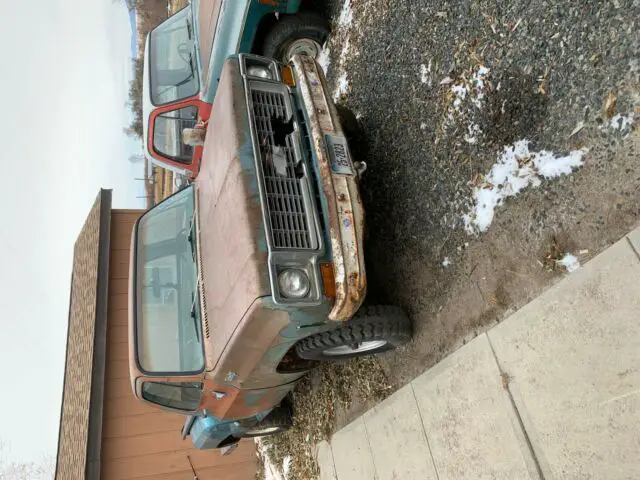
column 293, row 283
column 260, row 72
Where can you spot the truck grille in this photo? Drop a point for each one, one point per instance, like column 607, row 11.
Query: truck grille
column 283, row 189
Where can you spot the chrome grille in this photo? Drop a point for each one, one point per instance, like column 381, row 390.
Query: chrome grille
column 284, row 192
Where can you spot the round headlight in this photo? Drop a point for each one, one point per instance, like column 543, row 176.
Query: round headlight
column 293, row 283
column 260, row 72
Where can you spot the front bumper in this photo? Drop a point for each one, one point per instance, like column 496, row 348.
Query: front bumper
column 345, row 210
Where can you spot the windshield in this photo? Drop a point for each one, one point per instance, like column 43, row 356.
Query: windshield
column 168, row 327
column 173, row 67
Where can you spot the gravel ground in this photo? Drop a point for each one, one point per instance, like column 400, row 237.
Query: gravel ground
column 552, row 65
column 555, row 73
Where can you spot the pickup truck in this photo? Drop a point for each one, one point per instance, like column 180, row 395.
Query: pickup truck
column 183, row 61
column 254, row 274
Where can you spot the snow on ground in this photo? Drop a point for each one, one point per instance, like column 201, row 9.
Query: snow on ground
column 622, row 123
column 425, row 73
column 473, row 131
column 286, row 466
column 271, row 472
column 472, row 87
column 343, row 31
column 446, row 262
column 343, row 86
column 467, row 96
column 516, row 169
column 569, row 262
column 325, row 58
column 346, row 14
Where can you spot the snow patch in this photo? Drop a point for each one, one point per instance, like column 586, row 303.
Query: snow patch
column 473, row 132
column 516, row 169
column 474, row 88
column 345, row 22
column 346, row 14
column 324, row 59
column 622, row 123
column 425, row 73
column 286, row 466
column 271, row 472
column 569, row 262
column 467, row 94
column 342, row 88
column 446, row 262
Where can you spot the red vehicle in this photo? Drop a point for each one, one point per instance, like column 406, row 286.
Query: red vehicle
column 184, row 57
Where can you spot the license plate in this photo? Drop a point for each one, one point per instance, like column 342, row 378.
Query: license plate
column 339, row 155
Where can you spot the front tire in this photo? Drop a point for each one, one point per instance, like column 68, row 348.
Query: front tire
column 303, row 33
column 372, row 330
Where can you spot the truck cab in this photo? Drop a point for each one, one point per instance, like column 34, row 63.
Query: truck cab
column 254, row 274
column 184, row 57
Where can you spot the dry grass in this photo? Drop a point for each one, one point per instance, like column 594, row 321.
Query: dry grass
column 316, row 400
column 559, row 246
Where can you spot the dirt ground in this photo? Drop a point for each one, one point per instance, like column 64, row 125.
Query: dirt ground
column 552, row 65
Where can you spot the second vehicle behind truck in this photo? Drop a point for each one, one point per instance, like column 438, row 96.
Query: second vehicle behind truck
column 184, row 57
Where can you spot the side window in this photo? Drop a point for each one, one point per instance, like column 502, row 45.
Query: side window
column 167, row 133
column 181, row 396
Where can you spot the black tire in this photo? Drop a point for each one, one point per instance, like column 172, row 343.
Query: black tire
column 280, row 420
column 389, row 325
column 294, row 27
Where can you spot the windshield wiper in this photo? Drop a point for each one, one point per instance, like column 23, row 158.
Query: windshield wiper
column 192, row 65
column 194, row 315
column 189, row 29
column 191, row 238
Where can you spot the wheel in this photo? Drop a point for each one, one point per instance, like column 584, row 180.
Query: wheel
column 304, row 33
column 373, row 329
column 278, row 421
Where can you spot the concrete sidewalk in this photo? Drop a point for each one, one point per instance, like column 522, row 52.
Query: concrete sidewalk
column 553, row 392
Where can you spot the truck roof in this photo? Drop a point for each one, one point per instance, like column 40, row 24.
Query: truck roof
column 147, row 105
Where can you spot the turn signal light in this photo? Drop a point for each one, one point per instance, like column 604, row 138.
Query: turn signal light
column 287, row 75
column 328, row 280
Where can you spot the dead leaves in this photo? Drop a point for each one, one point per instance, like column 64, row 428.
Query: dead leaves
column 610, row 105
column 316, row 400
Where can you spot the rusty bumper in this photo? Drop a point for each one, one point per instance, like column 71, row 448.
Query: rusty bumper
column 346, row 214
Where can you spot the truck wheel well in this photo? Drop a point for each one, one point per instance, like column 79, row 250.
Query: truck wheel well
column 292, row 363
column 264, row 27
column 227, row 441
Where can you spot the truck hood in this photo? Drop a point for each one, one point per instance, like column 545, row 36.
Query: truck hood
column 232, row 242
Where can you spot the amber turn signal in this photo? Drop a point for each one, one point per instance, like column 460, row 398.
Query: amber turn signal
column 328, row 280
column 287, row 76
